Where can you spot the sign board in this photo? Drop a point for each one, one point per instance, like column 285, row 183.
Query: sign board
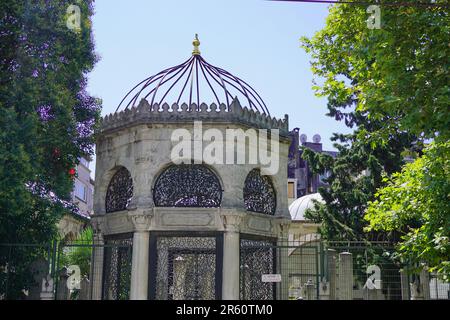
column 271, row 278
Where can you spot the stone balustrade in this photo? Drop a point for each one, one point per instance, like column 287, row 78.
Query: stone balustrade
column 145, row 113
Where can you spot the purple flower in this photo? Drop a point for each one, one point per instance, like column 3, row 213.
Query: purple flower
column 85, row 128
column 14, row 66
column 35, row 73
column 44, row 112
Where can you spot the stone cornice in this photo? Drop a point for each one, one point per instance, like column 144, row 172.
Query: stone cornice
column 144, row 113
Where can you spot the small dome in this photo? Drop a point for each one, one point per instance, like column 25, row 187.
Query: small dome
column 298, row 208
column 194, row 81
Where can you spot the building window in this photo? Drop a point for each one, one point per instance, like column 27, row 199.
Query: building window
column 259, row 193
column 292, row 189
column 120, row 191
column 84, row 162
column 187, row 185
column 80, row 191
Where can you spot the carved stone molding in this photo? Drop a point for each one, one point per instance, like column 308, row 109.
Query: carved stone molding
column 68, row 225
column 232, row 221
column 141, row 220
column 283, row 227
column 144, row 113
column 259, row 224
column 98, row 224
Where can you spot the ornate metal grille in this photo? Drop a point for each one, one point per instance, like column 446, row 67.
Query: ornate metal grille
column 257, row 257
column 120, row 191
column 187, row 185
column 117, row 269
column 186, row 268
column 259, row 193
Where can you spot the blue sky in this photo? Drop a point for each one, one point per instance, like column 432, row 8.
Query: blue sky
column 256, row 40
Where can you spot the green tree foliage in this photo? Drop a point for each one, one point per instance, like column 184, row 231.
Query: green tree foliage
column 397, row 74
column 355, row 175
column 46, row 116
column 416, row 201
column 392, row 84
column 354, row 67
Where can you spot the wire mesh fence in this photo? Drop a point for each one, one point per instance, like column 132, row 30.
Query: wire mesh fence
column 78, row 270
column 22, row 267
column 318, row 270
column 309, row 270
column 370, row 269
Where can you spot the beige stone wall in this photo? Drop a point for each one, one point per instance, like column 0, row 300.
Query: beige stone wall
column 299, row 230
column 139, row 139
column 145, row 151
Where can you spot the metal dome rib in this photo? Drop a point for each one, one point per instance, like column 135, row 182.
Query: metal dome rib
column 223, row 85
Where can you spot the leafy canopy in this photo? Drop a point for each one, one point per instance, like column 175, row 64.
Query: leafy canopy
column 46, row 123
column 417, row 202
column 392, row 85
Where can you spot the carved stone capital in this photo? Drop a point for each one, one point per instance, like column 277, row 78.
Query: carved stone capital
column 98, row 224
column 232, row 221
column 283, row 228
column 141, row 220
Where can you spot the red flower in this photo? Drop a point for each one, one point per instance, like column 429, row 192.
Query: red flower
column 56, row 153
column 72, row 172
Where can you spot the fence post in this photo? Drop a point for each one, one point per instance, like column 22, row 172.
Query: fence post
column 98, row 256
column 345, row 281
column 283, row 260
column 331, row 257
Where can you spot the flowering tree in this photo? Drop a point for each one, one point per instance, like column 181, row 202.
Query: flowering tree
column 47, row 118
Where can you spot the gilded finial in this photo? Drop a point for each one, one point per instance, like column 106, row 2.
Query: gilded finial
column 196, row 44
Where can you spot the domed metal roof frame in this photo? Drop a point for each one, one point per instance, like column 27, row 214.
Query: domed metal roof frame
column 154, row 84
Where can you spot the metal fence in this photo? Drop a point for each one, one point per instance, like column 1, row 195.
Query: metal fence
column 366, row 271
column 22, row 268
column 310, row 270
column 318, row 270
column 77, row 270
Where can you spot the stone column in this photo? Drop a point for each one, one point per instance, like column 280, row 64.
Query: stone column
column 345, row 281
column 98, row 226
column 231, row 247
column 139, row 262
column 331, row 259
